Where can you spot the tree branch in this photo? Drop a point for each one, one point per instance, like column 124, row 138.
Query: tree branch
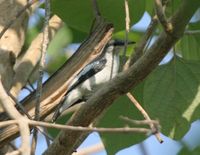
column 45, row 42
column 9, row 107
column 90, row 149
column 161, row 16
column 103, row 98
column 139, row 49
column 89, row 129
column 127, row 29
column 145, row 115
column 192, row 32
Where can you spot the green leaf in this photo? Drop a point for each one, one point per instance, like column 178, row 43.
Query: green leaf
column 171, row 94
column 190, row 47
column 61, row 39
column 172, row 6
column 114, row 142
column 78, row 14
column 78, row 36
column 186, row 151
column 56, row 51
column 150, row 7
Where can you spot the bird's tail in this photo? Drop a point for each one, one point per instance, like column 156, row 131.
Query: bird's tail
column 61, row 105
column 57, row 111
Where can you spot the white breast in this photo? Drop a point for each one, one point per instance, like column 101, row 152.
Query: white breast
column 110, row 70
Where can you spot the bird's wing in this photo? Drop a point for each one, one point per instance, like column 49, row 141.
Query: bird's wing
column 88, row 71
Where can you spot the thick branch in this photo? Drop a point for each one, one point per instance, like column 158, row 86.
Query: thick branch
column 103, row 98
column 21, row 121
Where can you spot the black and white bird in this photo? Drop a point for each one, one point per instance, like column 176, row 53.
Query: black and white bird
column 92, row 76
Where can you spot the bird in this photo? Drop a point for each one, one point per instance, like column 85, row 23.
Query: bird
column 92, row 76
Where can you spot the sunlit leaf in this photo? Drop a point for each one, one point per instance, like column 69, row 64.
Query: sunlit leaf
column 79, row 15
column 171, row 94
column 189, row 45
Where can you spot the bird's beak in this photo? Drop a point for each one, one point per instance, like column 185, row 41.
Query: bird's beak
column 122, row 42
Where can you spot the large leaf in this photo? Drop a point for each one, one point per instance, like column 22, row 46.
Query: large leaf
column 186, row 151
column 150, row 7
column 114, row 142
column 189, row 45
column 171, row 94
column 56, row 54
column 172, row 5
column 79, row 15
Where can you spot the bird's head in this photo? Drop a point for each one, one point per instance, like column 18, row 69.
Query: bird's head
column 116, row 45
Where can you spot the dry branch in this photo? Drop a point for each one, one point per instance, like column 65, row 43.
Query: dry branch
column 90, row 149
column 45, row 42
column 9, row 107
column 89, row 129
column 145, row 115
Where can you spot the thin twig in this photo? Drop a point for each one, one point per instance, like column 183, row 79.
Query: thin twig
column 192, row 32
column 139, row 49
column 16, row 152
column 30, row 84
column 7, row 104
column 90, row 149
column 23, row 111
column 42, row 60
column 127, row 25
column 97, row 15
column 12, row 145
column 146, row 116
column 96, row 10
column 7, row 123
column 41, row 72
column 148, row 44
column 161, row 16
column 28, row 5
column 139, row 122
column 19, row 106
column 89, row 129
column 28, row 89
column 48, row 140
